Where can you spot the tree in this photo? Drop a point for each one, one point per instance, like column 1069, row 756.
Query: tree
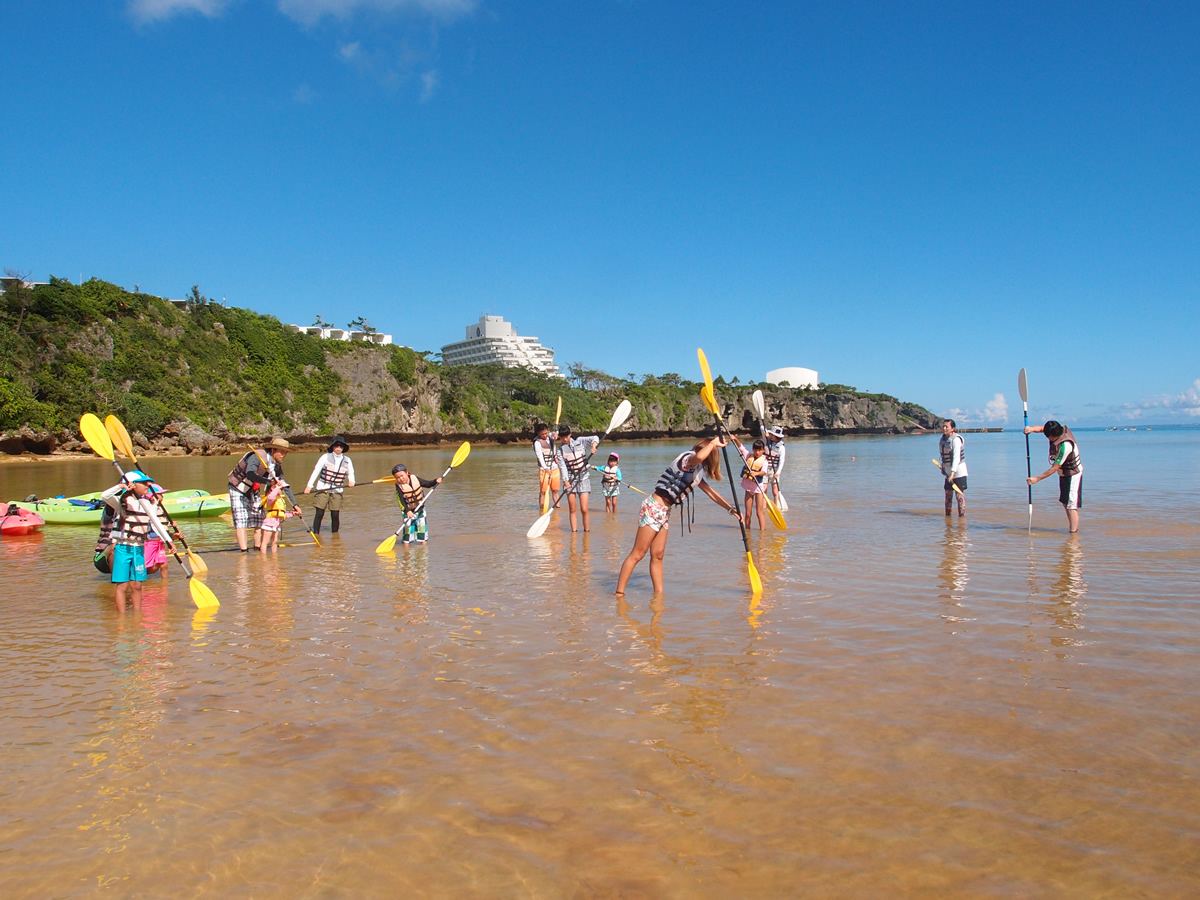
column 361, row 324
column 195, row 298
column 671, row 378
column 320, row 323
column 16, row 286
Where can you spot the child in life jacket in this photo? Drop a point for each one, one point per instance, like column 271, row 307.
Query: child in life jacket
column 610, row 482
column 154, row 549
column 277, row 508
column 754, row 476
column 411, row 494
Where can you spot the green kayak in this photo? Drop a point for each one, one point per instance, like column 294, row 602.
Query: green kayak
column 87, row 508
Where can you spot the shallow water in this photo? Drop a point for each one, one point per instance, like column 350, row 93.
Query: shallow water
column 918, row 706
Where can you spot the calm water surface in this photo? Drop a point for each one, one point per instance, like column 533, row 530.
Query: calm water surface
column 917, row 707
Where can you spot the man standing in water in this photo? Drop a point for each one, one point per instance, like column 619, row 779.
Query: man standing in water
column 1064, row 459
column 952, row 450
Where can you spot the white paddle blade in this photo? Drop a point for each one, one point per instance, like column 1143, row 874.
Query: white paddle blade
column 620, row 415
column 1023, row 386
column 759, row 406
column 538, row 528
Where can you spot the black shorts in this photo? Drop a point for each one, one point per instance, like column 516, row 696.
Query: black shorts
column 961, row 482
column 1070, row 491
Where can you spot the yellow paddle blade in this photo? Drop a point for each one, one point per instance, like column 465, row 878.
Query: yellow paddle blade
column 97, row 438
column 387, row 546
column 120, row 436
column 710, row 402
column 775, row 515
column 199, row 566
column 705, row 369
column 460, row 454
column 558, row 414
column 755, row 581
column 202, row 594
column 384, row 479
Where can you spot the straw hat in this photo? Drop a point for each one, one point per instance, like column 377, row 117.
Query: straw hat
column 278, row 443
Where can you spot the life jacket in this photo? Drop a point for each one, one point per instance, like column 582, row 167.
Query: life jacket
column 546, row 453
column 608, row 479
column 756, row 474
column 107, row 520
column 576, row 463
column 239, row 478
column 946, row 450
column 1072, row 464
column 131, row 524
column 410, row 497
column 676, row 482
column 773, row 454
column 334, row 477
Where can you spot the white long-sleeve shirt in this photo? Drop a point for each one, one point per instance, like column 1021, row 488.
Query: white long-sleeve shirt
column 334, row 463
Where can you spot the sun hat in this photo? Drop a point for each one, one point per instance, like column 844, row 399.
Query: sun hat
column 279, row 443
column 133, row 476
column 775, row 431
column 338, row 439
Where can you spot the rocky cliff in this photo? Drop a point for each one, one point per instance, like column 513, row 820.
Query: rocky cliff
column 206, row 378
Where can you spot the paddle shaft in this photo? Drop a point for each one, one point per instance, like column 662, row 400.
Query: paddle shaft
column 579, row 476
column 732, row 487
column 127, row 448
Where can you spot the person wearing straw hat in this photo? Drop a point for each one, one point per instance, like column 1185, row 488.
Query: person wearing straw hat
column 332, row 474
column 245, row 481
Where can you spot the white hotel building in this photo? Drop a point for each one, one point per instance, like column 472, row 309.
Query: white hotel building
column 492, row 340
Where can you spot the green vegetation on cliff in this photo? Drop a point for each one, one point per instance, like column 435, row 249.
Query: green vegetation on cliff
column 67, row 349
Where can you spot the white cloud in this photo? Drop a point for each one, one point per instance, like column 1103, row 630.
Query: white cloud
column 996, row 409
column 349, row 51
column 429, row 83
column 1166, row 406
column 303, row 95
column 308, row 12
column 153, row 10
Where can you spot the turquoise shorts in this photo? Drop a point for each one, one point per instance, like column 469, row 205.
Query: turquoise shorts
column 129, row 564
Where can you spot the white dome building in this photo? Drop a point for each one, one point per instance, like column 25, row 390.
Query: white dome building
column 793, row 376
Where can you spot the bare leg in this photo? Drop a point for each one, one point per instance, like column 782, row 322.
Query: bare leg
column 760, row 505
column 122, row 590
column 747, row 499
column 583, row 508
column 241, row 537
column 641, row 545
column 1073, row 521
column 135, row 594
column 572, row 507
column 657, row 548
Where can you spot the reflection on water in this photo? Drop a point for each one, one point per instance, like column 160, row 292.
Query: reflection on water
column 954, row 575
column 908, row 709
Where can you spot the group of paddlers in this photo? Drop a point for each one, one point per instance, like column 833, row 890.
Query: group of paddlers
column 134, row 541
column 1064, row 462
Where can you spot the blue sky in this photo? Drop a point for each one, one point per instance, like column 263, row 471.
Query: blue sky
column 917, row 199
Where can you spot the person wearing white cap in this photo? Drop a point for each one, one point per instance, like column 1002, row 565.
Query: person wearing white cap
column 135, row 517
column 776, row 452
